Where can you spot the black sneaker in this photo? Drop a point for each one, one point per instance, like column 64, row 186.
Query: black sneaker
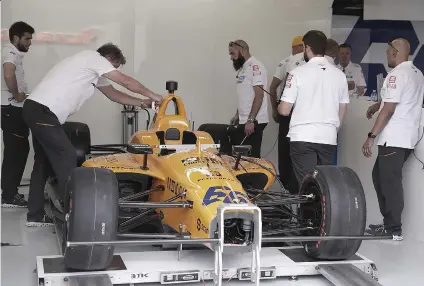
column 17, row 202
column 395, row 234
column 45, row 221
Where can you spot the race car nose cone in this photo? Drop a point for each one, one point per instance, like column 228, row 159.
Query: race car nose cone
column 171, row 86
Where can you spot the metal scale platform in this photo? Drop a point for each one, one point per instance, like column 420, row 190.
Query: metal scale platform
column 164, row 268
column 201, row 265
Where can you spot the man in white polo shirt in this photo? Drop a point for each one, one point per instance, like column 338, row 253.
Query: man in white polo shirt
column 61, row 93
column 354, row 74
column 317, row 92
column 251, row 116
column 285, row 164
column 332, row 51
column 277, row 84
column 397, row 127
column 285, row 167
column 15, row 132
column 298, row 60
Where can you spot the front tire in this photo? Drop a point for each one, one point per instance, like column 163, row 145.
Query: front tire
column 339, row 209
column 92, row 215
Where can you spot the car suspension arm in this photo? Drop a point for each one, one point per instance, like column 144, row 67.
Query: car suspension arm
column 155, row 205
column 324, row 238
column 144, row 242
column 288, row 230
column 275, row 202
column 154, row 236
column 278, row 193
column 142, row 194
column 134, row 221
column 280, row 209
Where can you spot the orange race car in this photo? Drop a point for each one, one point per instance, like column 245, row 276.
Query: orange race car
column 169, row 182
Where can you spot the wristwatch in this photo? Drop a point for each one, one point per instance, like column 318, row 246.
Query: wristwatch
column 371, row 135
column 250, row 120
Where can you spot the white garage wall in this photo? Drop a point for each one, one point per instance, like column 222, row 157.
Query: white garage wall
column 108, row 21
column 183, row 40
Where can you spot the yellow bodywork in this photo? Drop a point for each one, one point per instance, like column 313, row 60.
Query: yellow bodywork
column 207, row 178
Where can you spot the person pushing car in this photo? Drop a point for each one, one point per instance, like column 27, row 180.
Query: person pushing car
column 61, row 93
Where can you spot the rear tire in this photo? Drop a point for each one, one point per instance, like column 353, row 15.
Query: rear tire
column 339, row 209
column 92, row 208
column 80, row 137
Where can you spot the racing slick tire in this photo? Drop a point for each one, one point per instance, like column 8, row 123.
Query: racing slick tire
column 339, row 208
column 80, row 137
column 92, row 210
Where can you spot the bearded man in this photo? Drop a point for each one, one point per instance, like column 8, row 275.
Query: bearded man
column 251, row 116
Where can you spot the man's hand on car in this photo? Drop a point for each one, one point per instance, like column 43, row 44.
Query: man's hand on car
column 157, row 98
column 147, row 103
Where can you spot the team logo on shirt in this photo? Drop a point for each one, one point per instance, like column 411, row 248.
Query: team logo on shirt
column 392, row 82
column 289, row 77
column 240, row 78
column 256, row 70
column 288, row 80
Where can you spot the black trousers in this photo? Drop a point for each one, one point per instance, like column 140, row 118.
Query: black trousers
column 254, row 140
column 387, row 179
column 285, row 165
column 16, row 149
column 305, row 156
column 53, row 151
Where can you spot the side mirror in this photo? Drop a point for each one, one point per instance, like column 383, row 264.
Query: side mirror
column 139, row 149
column 242, row 149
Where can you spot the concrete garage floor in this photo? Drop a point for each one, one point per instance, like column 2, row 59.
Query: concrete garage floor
column 398, row 263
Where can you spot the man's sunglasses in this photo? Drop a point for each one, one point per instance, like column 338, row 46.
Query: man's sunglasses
column 234, row 43
column 391, row 45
